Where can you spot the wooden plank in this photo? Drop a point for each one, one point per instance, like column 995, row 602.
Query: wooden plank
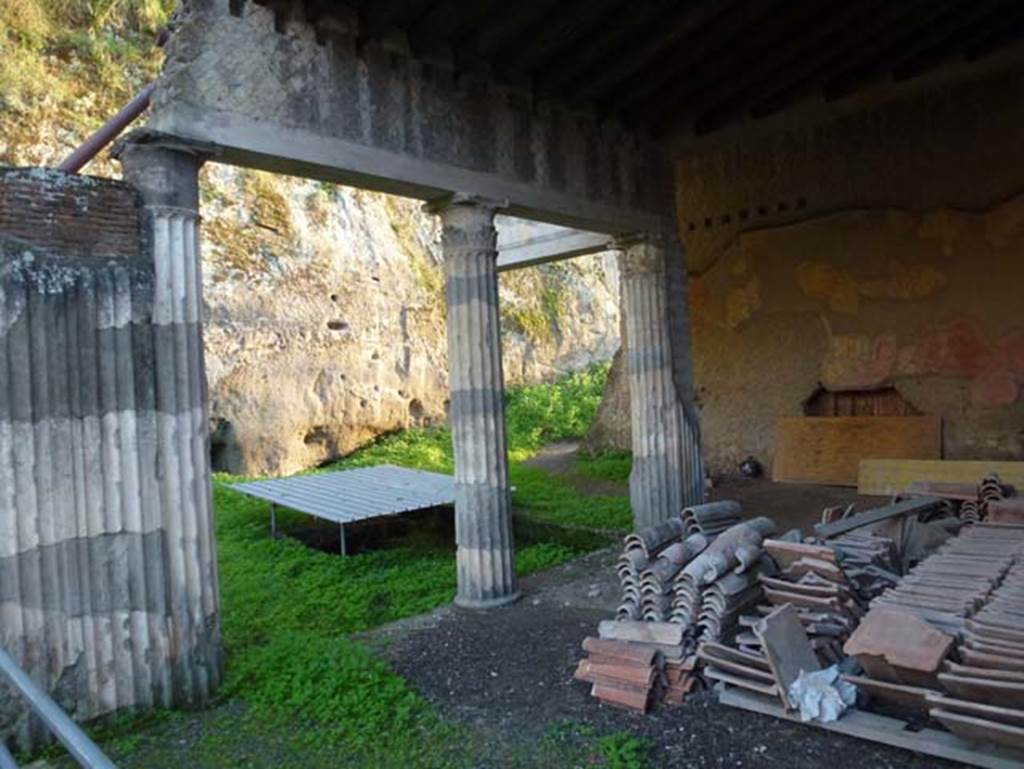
column 828, row 450
column 875, row 515
column 981, row 710
column 888, row 731
column 787, row 648
column 982, row 729
column 909, row 696
column 891, row 476
column 991, row 691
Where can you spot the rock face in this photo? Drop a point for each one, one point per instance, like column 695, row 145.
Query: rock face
column 324, row 315
column 325, row 319
column 611, row 430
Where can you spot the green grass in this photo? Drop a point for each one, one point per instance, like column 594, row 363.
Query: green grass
column 287, row 608
column 298, row 690
column 611, row 465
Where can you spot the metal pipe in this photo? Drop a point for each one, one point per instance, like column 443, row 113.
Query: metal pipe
column 67, row 731
column 6, row 759
column 109, row 131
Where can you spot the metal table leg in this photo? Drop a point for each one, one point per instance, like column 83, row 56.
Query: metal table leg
column 341, row 528
column 273, row 521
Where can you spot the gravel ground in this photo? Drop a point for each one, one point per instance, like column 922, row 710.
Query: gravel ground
column 509, row 671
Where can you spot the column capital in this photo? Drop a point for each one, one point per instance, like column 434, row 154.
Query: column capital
column 164, row 171
column 628, row 240
column 462, row 200
column 642, row 254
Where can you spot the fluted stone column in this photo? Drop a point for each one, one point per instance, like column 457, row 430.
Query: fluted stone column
column 667, row 473
column 483, row 514
column 167, row 180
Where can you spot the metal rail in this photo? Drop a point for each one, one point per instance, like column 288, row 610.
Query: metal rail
column 67, row 731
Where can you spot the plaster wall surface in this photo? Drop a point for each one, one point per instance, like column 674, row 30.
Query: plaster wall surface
column 880, row 249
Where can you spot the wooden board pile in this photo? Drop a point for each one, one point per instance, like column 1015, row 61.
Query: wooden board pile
column 635, row 665
column 957, row 580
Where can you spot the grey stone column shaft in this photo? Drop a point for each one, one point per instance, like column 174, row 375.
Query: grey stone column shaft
column 483, row 514
column 667, row 473
column 168, row 182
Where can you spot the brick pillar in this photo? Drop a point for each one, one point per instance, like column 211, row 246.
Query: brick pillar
column 483, row 515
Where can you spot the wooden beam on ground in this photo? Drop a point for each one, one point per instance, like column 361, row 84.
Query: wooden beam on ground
column 888, row 731
column 868, row 517
column 828, row 450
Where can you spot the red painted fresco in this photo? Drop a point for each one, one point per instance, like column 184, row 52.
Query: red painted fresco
column 958, row 349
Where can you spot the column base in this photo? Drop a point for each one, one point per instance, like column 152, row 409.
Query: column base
column 487, row 603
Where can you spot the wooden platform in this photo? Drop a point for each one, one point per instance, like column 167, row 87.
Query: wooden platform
column 891, row 476
column 888, row 731
column 828, row 450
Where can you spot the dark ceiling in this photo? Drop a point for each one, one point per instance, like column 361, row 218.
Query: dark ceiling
column 693, row 65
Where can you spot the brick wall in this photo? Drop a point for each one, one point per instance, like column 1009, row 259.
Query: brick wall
column 69, row 215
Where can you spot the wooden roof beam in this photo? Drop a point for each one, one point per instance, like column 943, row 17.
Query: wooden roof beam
column 1006, row 35
column 778, row 44
column 837, row 53
column 677, row 30
column 578, row 62
column 565, row 23
column 683, row 60
column 447, row 22
column 912, row 42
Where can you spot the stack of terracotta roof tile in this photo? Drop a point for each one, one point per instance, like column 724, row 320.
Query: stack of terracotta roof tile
column 783, row 652
column 725, row 601
column 635, row 665
column 827, row 603
column 973, row 501
column 652, row 558
column 735, row 552
column 641, row 554
column 712, row 517
column 986, row 689
column 956, row 581
column 870, row 563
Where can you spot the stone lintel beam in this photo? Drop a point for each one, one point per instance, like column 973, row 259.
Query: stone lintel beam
column 666, row 474
column 483, row 512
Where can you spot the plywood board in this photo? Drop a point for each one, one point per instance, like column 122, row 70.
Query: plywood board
column 891, row 476
column 829, row 450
